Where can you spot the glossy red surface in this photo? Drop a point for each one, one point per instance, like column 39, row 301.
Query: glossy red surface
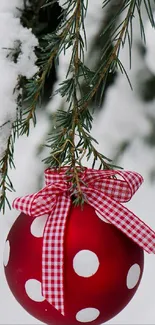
column 105, row 291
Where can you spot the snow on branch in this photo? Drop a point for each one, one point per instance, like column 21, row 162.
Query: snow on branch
column 17, row 58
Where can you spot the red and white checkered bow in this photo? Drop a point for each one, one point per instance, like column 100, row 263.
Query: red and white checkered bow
column 102, row 191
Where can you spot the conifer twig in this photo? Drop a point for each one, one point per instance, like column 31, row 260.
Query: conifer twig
column 71, row 140
column 5, row 182
column 112, row 57
column 75, row 104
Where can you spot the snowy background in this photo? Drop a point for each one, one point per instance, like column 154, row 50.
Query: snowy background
column 125, row 119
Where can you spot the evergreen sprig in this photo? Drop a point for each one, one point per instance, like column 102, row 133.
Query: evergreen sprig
column 76, row 121
column 5, row 181
column 70, row 139
column 50, row 48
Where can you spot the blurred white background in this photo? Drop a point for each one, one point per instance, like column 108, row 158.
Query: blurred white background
column 125, row 130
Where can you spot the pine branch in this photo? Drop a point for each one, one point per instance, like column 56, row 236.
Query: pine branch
column 76, row 122
column 70, row 140
column 75, row 175
column 112, row 61
column 65, row 151
column 5, row 182
column 51, row 47
column 34, row 89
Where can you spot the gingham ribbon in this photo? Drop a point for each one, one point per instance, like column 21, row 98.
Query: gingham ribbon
column 102, row 191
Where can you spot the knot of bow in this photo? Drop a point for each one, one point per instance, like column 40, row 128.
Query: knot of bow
column 103, row 191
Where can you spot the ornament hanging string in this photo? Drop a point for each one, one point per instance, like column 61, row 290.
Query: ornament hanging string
column 105, row 193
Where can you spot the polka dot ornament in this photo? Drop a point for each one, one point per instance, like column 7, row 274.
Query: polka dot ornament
column 100, row 264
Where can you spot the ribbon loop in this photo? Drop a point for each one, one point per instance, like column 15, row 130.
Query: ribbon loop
column 123, row 219
column 120, row 189
column 104, row 192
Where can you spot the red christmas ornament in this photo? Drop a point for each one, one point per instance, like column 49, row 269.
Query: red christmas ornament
column 99, row 269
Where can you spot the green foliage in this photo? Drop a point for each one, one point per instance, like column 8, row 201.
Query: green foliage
column 70, row 139
column 5, row 181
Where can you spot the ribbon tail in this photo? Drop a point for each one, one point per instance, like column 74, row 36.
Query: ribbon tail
column 53, row 254
column 123, row 219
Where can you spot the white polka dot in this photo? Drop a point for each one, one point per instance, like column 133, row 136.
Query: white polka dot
column 101, row 217
column 38, row 225
column 87, row 315
column 133, row 276
column 85, row 263
column 33, row 290
column 6, row 254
